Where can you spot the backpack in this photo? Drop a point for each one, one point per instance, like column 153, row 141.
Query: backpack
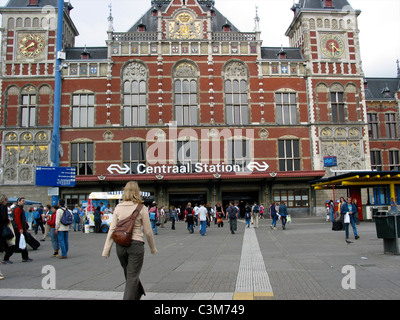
column 189, row 211
column 247, row 215
column 66, row 219
column 256, row 209
column 152, row 213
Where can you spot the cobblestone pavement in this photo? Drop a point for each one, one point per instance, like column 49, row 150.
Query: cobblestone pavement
column 305, row 261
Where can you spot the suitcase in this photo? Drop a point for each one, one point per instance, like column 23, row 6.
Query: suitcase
column 337, row 226
column 31, row 241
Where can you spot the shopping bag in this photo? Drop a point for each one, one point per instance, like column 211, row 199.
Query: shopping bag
column 288, row 219
column 347, row 218
column 22, row 242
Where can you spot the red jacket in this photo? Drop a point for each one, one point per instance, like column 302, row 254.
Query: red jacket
column 52, row 221
column 20, row 219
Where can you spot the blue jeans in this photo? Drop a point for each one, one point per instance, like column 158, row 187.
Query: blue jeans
column 203, row 226
column 79, row 225
column 154, row 225
column 63, row 242
column 248, row 222
column 353, row 224
column 54, row 239
column 274, row 218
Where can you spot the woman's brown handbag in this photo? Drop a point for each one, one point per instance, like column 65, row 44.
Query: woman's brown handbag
column 123, row 231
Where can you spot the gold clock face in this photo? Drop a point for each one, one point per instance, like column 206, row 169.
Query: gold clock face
column 31, row 45
column 332, row 46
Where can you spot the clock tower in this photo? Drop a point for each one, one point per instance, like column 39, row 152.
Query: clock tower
column 327, row 33
column 28, row 56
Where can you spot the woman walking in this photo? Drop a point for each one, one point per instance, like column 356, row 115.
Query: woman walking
column 131, row 257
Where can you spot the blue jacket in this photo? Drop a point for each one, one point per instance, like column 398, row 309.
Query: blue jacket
column 345, row 208
column 283, row 210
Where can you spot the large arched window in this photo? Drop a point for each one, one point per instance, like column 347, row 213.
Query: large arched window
column 186, row 94
column 236, row 94
column 134, row 91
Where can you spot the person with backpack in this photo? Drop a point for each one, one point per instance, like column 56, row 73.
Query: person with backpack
column 247, row 214
column 283, row 214
column 154, row 216
column 220, row 214
column 38, row 219
column 256, row 214
column 232, row 213
column 189, row 217
column 63, row 223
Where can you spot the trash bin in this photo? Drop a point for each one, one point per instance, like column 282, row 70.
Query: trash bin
column 387, row 228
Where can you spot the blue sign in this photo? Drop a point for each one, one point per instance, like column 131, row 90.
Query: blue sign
column 330, row 161
column 55, row 176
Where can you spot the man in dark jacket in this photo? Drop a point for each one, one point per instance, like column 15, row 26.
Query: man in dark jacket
column 232, row 212
column 20, row 227
column 283, row 214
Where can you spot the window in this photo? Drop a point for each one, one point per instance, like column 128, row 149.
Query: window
column 373, row 126
column 376, row 160
column 82, row 158
column 236, row 102
column 72, row 199
column 286, row 108
column 236, row 93
column 186, row 102
column 134, row 153
column 83, row 110
column 239, row 152
column 293, row 198
column 187, row 153
column 394, row 160
column 390, row 120
column 337, row 105
column 289, row 155
column 135, row 95
column 28, row 110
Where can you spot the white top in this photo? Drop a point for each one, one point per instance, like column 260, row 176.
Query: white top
column 202, row 213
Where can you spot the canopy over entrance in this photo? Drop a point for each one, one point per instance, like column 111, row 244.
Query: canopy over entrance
column 361, row 179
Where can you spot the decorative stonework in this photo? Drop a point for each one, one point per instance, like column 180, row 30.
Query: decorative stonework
column 22, row 152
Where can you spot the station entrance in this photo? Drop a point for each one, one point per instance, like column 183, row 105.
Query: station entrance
column 180, row 200
column 240, row 198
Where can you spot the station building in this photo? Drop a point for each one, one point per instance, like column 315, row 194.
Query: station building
column 192, row 108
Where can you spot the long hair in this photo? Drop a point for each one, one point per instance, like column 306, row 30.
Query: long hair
column 2, row 198
column 132, row 192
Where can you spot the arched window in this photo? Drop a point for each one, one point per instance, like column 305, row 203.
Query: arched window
column 236, row 94
column 28, row 106
column 134, row 91
column 337, row 104
column 186, row 94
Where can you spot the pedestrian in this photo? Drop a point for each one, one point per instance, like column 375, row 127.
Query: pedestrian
column 29, row 217
column 46, row 216
column 262, row 211
column 4, row 223
column 62, row 230
column 256, row 214
column 247, row 214
column 232, row 213
column 203, row 218
column 283, row 214
column 97, row 219
column 274, row 215
column 196, row 212
column 154, row 216
column 20, row 228
column 349, row 209
column 131, row 257
column 51, row 222
column 332, row 211
column 355, row 215
column 393, row 204
column 189, row 217
column 220, row 214
column 38, row 215
column 77, row 218
column 162, row 217
column 173, row 217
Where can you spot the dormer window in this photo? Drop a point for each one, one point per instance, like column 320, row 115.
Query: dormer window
column 226, row 27
column 386, row 92
column 85, row 54
column 328, row 3
column 282, row 54
column 33, row 3
column 141, row 27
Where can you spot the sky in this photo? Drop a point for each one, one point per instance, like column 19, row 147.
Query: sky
column 379, row 25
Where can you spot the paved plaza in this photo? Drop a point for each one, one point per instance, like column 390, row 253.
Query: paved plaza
column 306, row 261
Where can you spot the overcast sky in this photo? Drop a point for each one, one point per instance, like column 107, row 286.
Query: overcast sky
column 379, row 25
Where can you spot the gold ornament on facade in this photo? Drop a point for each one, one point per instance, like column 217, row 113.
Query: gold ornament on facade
column 184, row 28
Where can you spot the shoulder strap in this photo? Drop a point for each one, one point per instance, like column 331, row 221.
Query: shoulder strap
column 137, row 211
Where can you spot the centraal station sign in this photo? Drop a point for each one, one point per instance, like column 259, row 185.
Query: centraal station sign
column 187, row 168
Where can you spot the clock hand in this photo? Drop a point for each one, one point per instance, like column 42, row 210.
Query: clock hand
column 29, row 45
